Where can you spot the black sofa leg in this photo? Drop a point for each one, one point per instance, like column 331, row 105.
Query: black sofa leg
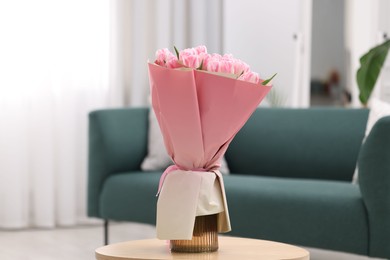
column 105, row 232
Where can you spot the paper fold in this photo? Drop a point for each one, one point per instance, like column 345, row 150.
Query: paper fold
column 185, row 195
column 199, row 114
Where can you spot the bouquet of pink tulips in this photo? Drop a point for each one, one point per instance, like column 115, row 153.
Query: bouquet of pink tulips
column 201, row 101
column 198, row 58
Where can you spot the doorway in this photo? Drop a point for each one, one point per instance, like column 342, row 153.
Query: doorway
column 329, row 55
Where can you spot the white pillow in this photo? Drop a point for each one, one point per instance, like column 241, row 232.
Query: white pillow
column 378, row 109
column 157, row 157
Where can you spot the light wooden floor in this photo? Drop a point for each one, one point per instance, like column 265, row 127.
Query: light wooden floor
column 80, row 243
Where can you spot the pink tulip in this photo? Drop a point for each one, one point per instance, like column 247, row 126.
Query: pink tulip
column 173, row 63
column 190, row 58
column 195, row 57
column 201, row 49
column 190, row 61
column 240, row 67
column 205, row 60
column 228, row 56
column 250, row 77
column 188, row 52
column 226, row 66
column 211, row 64
column 216, row 56
column 162, row 56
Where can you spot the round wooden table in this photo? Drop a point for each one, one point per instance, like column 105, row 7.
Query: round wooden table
column 230, row 248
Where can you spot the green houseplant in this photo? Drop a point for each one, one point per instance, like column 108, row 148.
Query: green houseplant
column 371, row 64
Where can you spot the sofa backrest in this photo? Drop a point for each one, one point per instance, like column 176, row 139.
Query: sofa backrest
column 319, row 143
column 117, row 143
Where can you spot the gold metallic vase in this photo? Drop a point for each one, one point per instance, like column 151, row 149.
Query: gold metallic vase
column 204, row 238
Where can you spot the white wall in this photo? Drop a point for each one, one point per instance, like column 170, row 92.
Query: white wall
column 272, row 37
column 384, row 31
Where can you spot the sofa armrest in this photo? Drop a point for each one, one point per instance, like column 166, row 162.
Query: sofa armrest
column 374, row 182
column 117, row 143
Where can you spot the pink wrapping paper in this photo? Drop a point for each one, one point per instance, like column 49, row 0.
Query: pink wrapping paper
column 199, row 114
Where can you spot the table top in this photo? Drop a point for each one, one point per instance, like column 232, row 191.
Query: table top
column 229, row 248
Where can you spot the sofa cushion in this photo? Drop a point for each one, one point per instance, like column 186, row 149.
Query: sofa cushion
column 130, row 196
column 315, row 213
column 299, row 143
column 378, row 110
column 157, row 158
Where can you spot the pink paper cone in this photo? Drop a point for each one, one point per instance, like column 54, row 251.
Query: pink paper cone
column 199, row 114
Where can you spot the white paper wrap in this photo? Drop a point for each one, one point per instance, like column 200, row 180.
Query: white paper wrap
column 185, row 195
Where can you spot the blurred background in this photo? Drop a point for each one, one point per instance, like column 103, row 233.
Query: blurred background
column 60, row 60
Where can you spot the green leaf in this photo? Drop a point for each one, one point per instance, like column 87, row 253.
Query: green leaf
column 200, row 66
column 177, row 52
column 265, row 82
column 371, row 64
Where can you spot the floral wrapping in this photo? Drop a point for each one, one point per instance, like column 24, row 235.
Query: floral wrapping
column 199, row 113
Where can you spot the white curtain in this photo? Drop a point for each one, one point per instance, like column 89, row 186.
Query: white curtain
column 156, row 24
column 54, row 69
column 58, row 61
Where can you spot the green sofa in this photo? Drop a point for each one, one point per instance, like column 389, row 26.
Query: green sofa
column 290, row 181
